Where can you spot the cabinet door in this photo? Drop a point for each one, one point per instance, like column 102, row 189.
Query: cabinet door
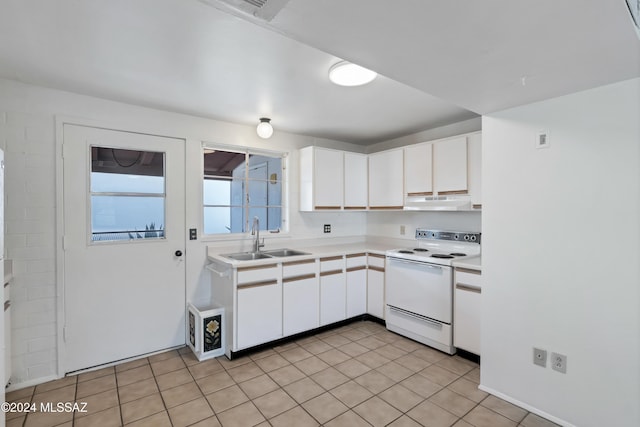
column 356, row 291
column 375, row 291
column 418, row 178
column 450, row 166
column 328, row 178
column 355, row 181
column 332, row 297
column 259, row 314
column 386, row 180
column 475, row 170
column 467, row 311
column 301, row 304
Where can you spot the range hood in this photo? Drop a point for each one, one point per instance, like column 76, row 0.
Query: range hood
column 437, row 203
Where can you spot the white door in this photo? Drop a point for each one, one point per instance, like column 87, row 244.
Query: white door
column 124, row 233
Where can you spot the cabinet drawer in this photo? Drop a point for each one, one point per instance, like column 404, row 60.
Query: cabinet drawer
column 376, row 260
column 331, row 263
column 257, row 274
column 469, row 277
column 356, row 260
column 298, row 268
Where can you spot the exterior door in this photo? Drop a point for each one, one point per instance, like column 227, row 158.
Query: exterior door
column 124, row 271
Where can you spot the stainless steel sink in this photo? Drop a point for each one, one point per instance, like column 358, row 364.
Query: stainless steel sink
column 247, row 256
column 285, row 252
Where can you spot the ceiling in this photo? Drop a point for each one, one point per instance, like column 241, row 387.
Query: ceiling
column 440, row 61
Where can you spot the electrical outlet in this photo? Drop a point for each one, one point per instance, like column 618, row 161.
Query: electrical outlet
column 402, row 230
column 543, row 139
column 540, row 357
column 559, row 362
column 193, row 234
column 327, row 228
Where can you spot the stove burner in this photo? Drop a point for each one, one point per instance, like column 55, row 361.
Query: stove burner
column 421, row 250
column 405, row 252
column 457, row 254
column 441, row 256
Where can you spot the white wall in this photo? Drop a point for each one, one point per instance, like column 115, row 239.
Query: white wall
column 561, row 255
column 27, row 133
column 466, row 126
column 387, row 224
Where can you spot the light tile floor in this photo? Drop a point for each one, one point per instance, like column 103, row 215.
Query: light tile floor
column 355, row 375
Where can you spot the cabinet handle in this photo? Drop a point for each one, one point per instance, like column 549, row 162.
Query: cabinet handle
column 359, row 208
column 304, row 261
column 469, row 288
column 385, row 207
column 420, row 193
column 376, row 255
column 374, row 268
column 327, row 207
column 257, row 284
column 257, row 267
column 360, row 267
column 331, row 258
column 356, row 255
column 477, row 206
column 330, row 273
column 452, row 192
column 298, row 278
column 469, row 270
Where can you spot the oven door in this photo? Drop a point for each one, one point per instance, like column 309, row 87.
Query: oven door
column 421, row 288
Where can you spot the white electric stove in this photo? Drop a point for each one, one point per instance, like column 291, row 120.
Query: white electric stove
column 419, row 285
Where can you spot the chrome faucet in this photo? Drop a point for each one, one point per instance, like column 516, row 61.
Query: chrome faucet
column 255, row 231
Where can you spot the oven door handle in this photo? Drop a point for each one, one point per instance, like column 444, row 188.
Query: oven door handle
column 420, row 263
column 416, row 316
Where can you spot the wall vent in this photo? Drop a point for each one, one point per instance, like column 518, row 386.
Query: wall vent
column 265, row 10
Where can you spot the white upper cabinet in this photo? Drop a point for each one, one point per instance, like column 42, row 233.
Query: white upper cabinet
column 450, row 166
column 355, row 181
column 418, row 170
column 386, row 180
column 321, row 179
column 475, row 167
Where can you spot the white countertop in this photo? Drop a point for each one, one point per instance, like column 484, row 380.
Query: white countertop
column 326, row 250
column 473, row 263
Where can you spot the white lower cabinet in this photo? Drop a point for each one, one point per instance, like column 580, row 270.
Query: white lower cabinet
column 300, row 297
column 375, row 286
column 356, row 291
column 259, row 312
column 467, row 310
column 332, row 297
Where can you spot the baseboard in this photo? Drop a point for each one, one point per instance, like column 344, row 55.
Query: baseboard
column 17, row 386
column 363, row 317
column 526, row 406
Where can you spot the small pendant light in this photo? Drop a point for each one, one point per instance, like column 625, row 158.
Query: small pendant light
column 264, row 129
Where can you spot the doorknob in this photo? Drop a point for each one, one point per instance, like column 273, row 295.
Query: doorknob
column 178, row 253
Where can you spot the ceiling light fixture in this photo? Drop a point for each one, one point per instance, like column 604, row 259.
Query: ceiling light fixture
column 345, row 73
column 264, row 129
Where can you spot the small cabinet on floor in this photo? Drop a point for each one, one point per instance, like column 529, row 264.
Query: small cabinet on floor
column 300, row 296
column 259, row 314
column 467, row 309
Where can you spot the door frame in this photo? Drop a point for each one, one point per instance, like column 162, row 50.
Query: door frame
column 60, row 121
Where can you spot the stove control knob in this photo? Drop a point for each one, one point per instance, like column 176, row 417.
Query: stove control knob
column 473, row 238
column 466, row 237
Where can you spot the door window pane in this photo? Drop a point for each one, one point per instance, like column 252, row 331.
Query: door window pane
column 127, row 194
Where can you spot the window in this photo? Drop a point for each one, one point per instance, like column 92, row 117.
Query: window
column 239, row 186
column 127, row 194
